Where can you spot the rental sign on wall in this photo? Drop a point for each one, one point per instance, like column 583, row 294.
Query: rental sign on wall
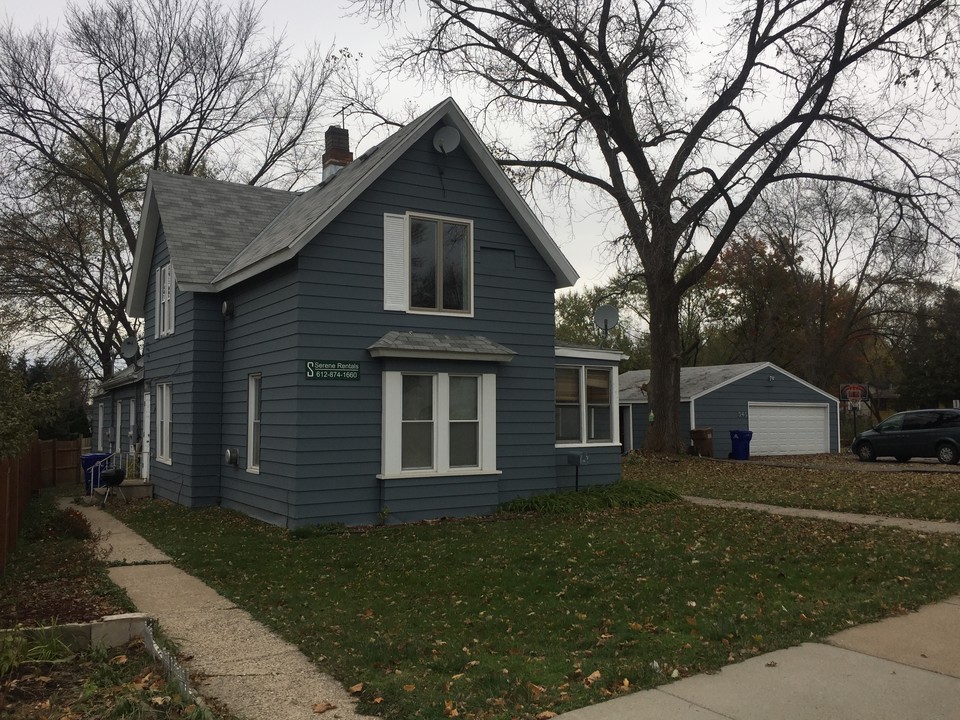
column 332, row 370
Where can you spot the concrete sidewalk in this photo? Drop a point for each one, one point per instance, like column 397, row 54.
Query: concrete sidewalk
column 234, row 660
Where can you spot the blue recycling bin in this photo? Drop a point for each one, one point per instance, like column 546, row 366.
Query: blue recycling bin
column 740, row 443
column 88, row 464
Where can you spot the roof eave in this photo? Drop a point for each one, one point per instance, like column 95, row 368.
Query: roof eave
column 440, row 355
column 143, row 253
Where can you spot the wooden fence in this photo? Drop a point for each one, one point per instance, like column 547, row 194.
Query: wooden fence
column 45, row 463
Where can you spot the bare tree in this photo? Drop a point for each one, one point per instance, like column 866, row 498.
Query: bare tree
column 187, row 86
column 849, row 256
column 832, row 89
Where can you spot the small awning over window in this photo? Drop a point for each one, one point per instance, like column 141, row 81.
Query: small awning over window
column 408, row 344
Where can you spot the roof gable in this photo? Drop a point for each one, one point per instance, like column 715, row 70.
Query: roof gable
column 698, row 381
column 309, row 214
column 221, row 234
column 206, row 223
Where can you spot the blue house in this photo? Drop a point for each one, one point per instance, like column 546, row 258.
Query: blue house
column 381, row 344
column 787, row 415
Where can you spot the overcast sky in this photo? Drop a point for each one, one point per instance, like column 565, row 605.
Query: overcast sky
column 581, row 236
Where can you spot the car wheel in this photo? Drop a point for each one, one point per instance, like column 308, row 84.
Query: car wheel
column 902, row 458
column 947, row 454
column 866, row 453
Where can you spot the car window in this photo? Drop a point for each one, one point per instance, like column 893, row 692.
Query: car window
column 921, row 420
column 950, row 419
column 894, row 422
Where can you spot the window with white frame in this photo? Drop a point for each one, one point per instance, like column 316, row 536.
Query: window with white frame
column 132, row 432
column 254, row 385
column 164, row 422
column 117, row 426
column 166, row 287
column 584, row 405
column 428, row 264
column 439, row 424
column 100, row 427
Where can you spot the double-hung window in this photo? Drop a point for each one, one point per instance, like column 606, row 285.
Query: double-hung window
column 166, row 287
column 428, row 264
column 254, row 384
column 439, row 424
column 164, row 424
column 584, row 411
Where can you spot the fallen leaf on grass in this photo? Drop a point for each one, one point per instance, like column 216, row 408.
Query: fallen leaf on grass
column 592, row 678
column 356, row 689
column 409, row 688
column 449, row 709
column 546, row 715
column 322, row 707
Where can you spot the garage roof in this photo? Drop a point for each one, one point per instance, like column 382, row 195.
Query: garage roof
column 697, row 381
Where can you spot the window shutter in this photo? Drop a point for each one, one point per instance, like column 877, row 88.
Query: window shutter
column 157, row 304
column 394, row 262
column 171, row 293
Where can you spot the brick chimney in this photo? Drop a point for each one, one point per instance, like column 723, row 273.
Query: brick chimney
column 336, row 153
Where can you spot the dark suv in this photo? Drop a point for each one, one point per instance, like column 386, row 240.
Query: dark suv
column 917, row 433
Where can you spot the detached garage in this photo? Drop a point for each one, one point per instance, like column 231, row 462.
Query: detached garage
column 787, row 415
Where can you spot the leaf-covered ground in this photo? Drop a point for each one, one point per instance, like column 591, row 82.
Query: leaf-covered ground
column 533, row 614
column 95, row 686
column 55, row 576
column 915, row 490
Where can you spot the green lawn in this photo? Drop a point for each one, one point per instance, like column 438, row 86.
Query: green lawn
column 513, row 616
column 839, row 486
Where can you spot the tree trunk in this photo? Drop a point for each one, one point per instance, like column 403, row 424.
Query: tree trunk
column 663, row 434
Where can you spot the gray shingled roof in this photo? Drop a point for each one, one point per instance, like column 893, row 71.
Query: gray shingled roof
column 208, row 222
column 130, row 375
column 694, row 381
column 297, row 218
column 397, row 343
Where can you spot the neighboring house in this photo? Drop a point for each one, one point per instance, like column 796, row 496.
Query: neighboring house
column 787, row 415
column 381, row 344
column 118, row 412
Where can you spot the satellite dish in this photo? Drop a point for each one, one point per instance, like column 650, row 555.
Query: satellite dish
column 129, row 348
column 606, row 318
column 446, row 140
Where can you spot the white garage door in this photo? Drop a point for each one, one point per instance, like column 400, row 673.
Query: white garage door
column 789, row 429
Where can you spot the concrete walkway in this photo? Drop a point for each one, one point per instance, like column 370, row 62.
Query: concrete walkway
column 234, row 659
column 922, row 526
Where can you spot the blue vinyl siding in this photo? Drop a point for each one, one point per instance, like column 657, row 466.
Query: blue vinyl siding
column 341, row 315
column 188, row 359
column 321, row 441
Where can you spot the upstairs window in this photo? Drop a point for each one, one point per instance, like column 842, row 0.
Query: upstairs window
column 166, row 286
column 428, row 264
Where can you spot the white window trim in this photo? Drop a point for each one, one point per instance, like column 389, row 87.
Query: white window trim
column 164, row 414
column 131, row 434
column 584, row 416
column 118, row 417
column 251, row 380
column 392, row 406
column 165, row 301
column 396, row 254
column 100, row 427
